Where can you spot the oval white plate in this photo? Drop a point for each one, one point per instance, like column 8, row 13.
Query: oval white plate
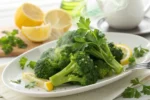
column 13, row 71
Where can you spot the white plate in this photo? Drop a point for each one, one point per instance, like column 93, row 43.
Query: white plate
column 13, row 71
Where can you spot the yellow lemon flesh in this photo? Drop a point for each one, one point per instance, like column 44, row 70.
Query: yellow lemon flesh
column 28, row 15
column 127, row 53
column 37, row 33
column 59, row 19
column 42, row 83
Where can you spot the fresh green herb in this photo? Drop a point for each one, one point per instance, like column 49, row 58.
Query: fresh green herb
column 84, row 23
column 131, row 93
column 17, row 81
column 132, row 60
column 139, row 51
column 23, row 62
column 31, row 85
column 135, row 81
column 21, row 43
column 146, row 90
column 10, row 40
column 7, row 48
column 31, row 64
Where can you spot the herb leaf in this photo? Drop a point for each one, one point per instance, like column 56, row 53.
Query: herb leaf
column 22, row 62
column 31, row 64
column 139, row 51
column 21, row 43
column 31, row 85
column 10, row 40
column 146, row 90
column 131, row 93
column 135, row 81
column 17, row 81
column 132, row 61
column 7, row 48
column 84, row 23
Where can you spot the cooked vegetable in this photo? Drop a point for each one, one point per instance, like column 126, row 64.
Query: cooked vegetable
column 116, row 52
column 10, row 40
column 45, row 68
column 52, row 61
column 80, row 70
column 103, row 68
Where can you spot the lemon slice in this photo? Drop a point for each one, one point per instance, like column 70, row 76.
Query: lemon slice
column 37, row 33
column 42, row 83
column 59, row 19
column 28, row 15
column 127, row 53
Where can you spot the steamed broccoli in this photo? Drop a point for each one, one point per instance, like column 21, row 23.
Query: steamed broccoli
column 45, row 68
column 81, row 70
column 97, row 45
column 103, row 68
column 116, row 52
column 52, row 61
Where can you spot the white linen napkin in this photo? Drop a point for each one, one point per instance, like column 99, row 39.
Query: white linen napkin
column 108, row 92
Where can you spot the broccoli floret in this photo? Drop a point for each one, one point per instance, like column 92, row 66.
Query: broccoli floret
column 116, row 52
column 52, row 61
column 81, row 69
column 48, row 53
column 103, row 68
column 44, row 68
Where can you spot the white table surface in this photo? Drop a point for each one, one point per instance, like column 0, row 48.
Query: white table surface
column 7, row 10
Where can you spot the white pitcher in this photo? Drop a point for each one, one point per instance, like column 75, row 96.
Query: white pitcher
column 123, row 14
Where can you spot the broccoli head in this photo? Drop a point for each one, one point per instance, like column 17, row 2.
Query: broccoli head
column 103, row 68
column 44, row 68
column 81, row 70
column 52, row 61
column 116, row 52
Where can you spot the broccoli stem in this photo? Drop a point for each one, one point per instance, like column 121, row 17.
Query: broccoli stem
column 62, row 76
column 108, row 58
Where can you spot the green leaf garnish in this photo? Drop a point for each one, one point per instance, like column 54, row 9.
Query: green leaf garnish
column 31, row 85
column 135, row 81
column 139, row 51
column 22, row 62
column 17, row 81
column 146, row 90
column 132, row 60
column 84, row 23
column 31, row 64
column 10, row 40
column 131, row 93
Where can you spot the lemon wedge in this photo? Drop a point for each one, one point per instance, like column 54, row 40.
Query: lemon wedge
column 42, row 83
column 28, row 15
column 59, row 19
column 37, row 33
column 127, row 53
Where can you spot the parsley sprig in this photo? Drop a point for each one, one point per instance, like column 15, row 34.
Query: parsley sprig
column 131, row 92
column 138, row 52
column 24, row 61
column 10, row 40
